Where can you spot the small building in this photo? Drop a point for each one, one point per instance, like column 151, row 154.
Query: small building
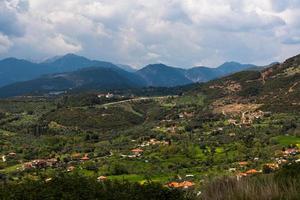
column 102, row 178
column 291, row 152
column 52, row 162
column 243, row 164
column 272, row 166
column 40, row 163
column 70, row 168
column 240, row 175
column 251, row 172
column 109, row 95
column 27, row 166
column 48, row 180
column 184, row 184
column 232, row 169
column 4, row 158
column 11, row 154
column 137, row 151
column 85, row 158
column 173, row 184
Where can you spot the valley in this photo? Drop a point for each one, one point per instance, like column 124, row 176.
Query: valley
column 242, row 127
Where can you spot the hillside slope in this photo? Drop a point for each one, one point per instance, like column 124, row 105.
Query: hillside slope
column 276, row 85
column 160, row 75
column 94, row 78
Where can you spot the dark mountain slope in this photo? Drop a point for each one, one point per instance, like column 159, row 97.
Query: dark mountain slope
column 94, row 78
column 12, row 70
column 160, row 75
column 72, row 62
column 166, row 76
column 15, row 70
column 202, row 74
column 232, row 67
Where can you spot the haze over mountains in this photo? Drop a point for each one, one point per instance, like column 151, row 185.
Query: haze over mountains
column 18, row 77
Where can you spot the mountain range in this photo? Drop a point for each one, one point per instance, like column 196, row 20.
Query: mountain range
column 19, row 77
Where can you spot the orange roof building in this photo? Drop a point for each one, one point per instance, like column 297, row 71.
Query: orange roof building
column 137, row 151
column 187, row 184
column 252, row 171
column 173, row 185
column 243, row 163
column 85, row 157
column 184, row 184
column 240, row 175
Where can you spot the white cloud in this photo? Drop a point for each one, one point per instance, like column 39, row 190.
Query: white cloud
column 5, row 43
column 176, row 32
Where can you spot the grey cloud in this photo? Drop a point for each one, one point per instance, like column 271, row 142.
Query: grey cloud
column 9, row 23
column 176, row 32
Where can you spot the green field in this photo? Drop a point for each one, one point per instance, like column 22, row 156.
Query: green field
column 288, row 140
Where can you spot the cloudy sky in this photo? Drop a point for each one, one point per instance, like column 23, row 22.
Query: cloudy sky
column 137, row 32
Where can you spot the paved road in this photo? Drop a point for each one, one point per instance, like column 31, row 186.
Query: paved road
column 136, row 100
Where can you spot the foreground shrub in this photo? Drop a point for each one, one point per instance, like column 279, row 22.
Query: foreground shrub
column 284, row 184
column 76, row 187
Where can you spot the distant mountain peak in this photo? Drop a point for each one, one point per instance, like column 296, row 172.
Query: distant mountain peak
column 230, row 63
column 69, row 56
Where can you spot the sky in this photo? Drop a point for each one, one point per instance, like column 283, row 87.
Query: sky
column 181, row 33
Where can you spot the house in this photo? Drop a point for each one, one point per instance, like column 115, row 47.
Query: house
column 85, row 158
column 101, row 95
column 233, row 122
column 240, row 175
column 102, row 178
column 187, row 184
column 189, row 175
column 272, row 166
column 51, row 162
column 232, row 134
column 11, row 154
column 188, row 115
column 137, row 151
column 109, row 95
column 40, row 163
column 243, row 164
column 281, row 161
column 70, row 169
column 232, row 169
column 35, row 164
column 48, row 180
column 27, row 166
column 173, row 184
column 290, row 152
column 184, row 184
column 251, row 171
column 4, row 158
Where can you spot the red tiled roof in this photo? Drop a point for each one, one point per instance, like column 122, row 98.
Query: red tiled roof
column 252, row 171
column 184, row 184
column 137, row 150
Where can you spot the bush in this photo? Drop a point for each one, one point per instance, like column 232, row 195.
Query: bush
column 76, row 187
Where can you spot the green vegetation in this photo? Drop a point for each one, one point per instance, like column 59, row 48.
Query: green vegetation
column 205, row 137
